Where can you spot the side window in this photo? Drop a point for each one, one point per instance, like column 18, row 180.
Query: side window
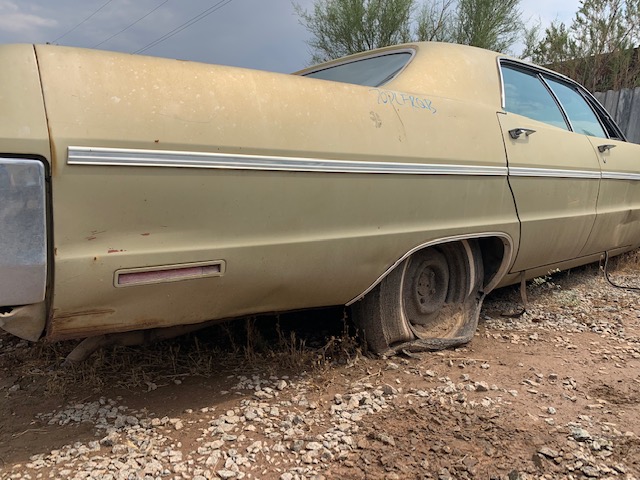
column 370, row 72
column 581, row 116
column 526, row 94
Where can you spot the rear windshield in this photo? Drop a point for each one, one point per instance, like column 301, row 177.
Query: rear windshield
column 369, row 72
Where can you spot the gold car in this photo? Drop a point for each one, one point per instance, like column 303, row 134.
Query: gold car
column 144, row 193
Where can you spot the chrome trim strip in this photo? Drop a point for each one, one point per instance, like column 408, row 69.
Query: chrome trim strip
column 620, row 176
column 160, row 158
column 174, row 159
column 502, row 271
column 553, row 172
column 584, row 174
column 503, row 97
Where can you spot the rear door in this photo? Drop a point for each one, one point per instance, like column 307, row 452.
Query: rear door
column 554, row 172
column 618, row 220
column 618, row 208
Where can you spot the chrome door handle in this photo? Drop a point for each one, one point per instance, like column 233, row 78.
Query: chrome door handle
column 604, row 148
column 517, row 132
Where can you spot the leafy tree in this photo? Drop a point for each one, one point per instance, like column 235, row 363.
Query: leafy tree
column 436, row 21
column 343, row 27
column 597, row 49
column 554, row 49
column 491, row 24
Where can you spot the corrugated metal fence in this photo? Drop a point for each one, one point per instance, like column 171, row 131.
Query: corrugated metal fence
column 624, row 107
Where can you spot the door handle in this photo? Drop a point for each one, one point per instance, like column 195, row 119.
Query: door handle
column 517, row 132
column 604, row 148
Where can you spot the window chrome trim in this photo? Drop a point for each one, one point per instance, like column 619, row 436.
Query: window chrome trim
column 503, row 98
column 160, row 158
column 563, row 110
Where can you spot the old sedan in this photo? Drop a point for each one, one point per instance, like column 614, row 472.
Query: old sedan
column 142, row 193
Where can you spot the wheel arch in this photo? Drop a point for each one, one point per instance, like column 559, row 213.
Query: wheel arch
column 497, row 249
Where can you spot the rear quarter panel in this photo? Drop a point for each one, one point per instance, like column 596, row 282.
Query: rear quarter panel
column 23, row 126
column 288, row 239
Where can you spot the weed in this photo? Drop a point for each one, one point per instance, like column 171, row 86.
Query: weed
column 293, row 343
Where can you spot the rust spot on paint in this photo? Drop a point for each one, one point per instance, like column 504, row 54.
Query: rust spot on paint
column 157, row 141
column 113, row 250
column 145, row 234
column 91, row 238
column 65, row 327
column 54, row 159
column 83, row 313
column 55, row 251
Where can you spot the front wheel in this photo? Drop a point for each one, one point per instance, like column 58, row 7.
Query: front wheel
column 431, row 301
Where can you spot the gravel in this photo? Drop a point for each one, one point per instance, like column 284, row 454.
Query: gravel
column 285, row 433
column 286, row 427
column 265, row 429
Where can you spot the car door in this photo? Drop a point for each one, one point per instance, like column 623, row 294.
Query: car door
column 617, row 222
column 618, row 208
column 554, row 172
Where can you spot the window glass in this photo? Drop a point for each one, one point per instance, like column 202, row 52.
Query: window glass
column 581, row 116
column 370, row 72
column 525, row 94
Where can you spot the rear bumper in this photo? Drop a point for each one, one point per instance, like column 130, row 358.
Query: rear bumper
column 23, row 232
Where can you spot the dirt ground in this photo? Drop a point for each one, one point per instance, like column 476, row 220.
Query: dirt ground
column 554, row 393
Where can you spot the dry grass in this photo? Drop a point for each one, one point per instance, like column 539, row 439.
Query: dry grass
column 292, row 343
column 264, row 344
column 629, row 261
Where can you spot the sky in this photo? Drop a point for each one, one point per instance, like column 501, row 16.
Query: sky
column 261, row 34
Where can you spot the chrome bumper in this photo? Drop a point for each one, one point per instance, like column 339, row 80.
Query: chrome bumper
column 23, row 232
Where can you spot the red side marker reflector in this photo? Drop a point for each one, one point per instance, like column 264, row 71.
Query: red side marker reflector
column 167, row 274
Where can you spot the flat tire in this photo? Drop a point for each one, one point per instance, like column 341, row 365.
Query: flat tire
column 430, row 301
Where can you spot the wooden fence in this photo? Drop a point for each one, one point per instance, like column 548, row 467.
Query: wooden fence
column 624, row 107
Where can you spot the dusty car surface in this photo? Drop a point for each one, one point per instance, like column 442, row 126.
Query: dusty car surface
column 142, row 193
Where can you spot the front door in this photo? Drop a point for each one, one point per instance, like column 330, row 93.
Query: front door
column 554, row 172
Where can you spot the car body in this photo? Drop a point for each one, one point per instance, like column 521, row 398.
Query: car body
column 145, row 193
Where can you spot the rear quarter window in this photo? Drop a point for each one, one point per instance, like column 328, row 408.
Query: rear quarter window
column 369, row 72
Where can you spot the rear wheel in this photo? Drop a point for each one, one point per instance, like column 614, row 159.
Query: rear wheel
column 430, row 301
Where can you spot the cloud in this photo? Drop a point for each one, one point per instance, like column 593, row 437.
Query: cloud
column 547, row 11
column 15, row 21
column 248, row 33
